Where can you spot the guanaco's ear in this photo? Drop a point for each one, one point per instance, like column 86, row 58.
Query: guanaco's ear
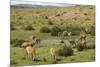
column 33, row 37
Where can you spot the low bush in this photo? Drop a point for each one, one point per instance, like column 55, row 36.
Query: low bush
column 55, row 30
column 65, row 51
column 45, row 29
column 50, row 22
column 80, row 47
column 29, row 27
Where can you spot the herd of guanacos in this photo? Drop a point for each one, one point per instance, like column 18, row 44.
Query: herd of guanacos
column 30, row 49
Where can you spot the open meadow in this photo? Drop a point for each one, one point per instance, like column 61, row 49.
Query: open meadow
column 45, row 24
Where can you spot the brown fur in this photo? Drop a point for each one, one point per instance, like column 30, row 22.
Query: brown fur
column 53, row 52
column 82, row 40
column 28, row 46
column 25, row 44
column 31, row 52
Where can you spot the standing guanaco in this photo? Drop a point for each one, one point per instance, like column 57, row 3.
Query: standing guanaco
column 31, row 52
column 53, row 52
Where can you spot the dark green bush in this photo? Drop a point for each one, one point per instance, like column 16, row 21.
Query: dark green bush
column 16, row 42
column 29, row 27
column 45, row 29
column 50, row 22
column 55, row 30
column 46, row 17
column 80, row 47
column 65, row 51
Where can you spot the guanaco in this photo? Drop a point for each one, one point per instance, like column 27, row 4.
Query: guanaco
column 73, row 43
column 31, row 52
column 64, row 34
column 60, row 34
column 82, row 40
column 69, row 33
column 53, row 52
column 25, row 44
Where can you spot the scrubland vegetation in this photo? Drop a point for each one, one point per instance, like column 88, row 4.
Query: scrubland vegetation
column 45, row 23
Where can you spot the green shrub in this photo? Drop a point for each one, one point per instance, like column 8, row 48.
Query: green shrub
column 29, row 27
column 45, row 29
column 55, row 30
column 65, row 51
column 50, row 22
column 46, row 17
column 80, row 47
column 90, row 30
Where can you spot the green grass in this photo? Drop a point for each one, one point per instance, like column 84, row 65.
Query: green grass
column 18, row 54
column 84, row 56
